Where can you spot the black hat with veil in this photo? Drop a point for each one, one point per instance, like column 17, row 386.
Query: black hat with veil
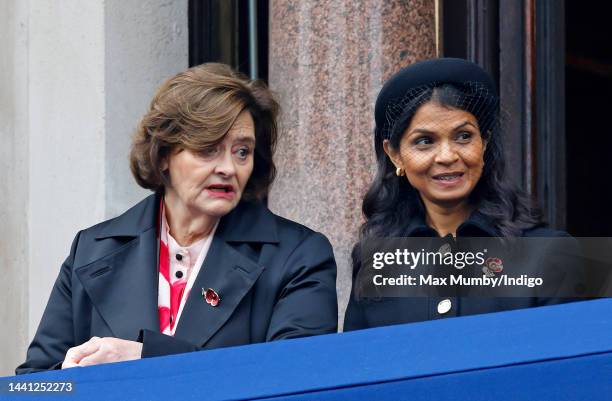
column 473, row 90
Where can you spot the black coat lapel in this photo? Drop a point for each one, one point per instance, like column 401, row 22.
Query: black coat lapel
column 123, row 284
column 231, row 275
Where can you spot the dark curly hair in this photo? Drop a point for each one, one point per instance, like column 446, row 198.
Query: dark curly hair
column 391, row 202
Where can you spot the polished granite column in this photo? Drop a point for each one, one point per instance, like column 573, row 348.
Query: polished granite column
column 328, row 60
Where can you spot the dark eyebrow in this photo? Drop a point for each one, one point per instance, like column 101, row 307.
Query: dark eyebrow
column 463, row 125
column 428, row 132
column 421, row 131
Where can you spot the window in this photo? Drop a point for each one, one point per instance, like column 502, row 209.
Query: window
column 234, row 32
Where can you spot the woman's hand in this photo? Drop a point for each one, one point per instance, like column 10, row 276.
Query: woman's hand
column 102, row 350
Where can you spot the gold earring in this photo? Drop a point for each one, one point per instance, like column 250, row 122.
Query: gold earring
column 399, row 171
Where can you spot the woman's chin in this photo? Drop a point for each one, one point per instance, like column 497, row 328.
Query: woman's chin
column 449, row 198
column 217, row 208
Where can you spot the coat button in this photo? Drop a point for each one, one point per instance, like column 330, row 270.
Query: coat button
column 444, row 306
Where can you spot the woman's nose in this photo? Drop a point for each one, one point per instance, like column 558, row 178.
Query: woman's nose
column 446, row 154
column 225, row 164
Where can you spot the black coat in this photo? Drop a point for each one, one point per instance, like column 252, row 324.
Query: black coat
column 276, row 279
column 362, row 313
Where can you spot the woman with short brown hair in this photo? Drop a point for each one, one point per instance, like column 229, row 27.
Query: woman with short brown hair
column 201, row 263
column 219, row 94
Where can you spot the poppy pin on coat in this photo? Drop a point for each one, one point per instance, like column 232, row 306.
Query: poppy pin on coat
column 210, row 296
column 492, row 266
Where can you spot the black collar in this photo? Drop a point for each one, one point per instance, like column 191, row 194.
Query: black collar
column 477, row 225
column 136, row 220
column 248, row 222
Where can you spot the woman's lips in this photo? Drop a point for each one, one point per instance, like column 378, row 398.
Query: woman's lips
column 221, row 191
column 448, row 179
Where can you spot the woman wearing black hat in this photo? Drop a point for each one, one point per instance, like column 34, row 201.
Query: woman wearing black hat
column 441, row 172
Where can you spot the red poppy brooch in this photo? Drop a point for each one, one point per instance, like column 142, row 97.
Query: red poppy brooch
column 492, row 266
column 211, row 296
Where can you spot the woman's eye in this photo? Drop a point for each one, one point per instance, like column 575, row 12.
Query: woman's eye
column 243, row 153
column 423, row 141
column 464, row 136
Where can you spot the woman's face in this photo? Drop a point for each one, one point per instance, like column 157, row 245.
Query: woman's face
column 441, row 153
column 211, row 182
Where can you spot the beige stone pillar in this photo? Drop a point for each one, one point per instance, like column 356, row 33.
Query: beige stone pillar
column 328, row 60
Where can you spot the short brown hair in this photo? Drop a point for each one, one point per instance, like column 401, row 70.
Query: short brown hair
column 195, row 109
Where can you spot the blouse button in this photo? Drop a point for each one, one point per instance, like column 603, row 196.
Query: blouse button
column 179, row 257
column 178, row 274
